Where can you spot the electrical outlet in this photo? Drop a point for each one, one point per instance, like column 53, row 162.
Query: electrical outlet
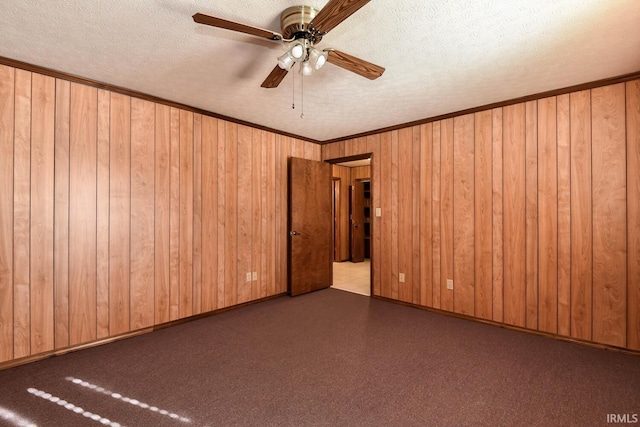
column 401, row 277
column 255, row 276
column 450, row 284
column 248, row 276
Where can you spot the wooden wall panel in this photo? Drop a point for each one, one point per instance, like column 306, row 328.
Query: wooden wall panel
column 231, row 280
column 633, row 213
column 343, row 226
column 426, row 230
column 82, row 214
column 120, row 214
column 497, row 222
column 42, row 178
column 255, row 175
column 102, row 214
column 405, row 214
column 463, row 215
column 209, row 213
column 548, row 215
column 435, row 216
column 21, row 214
column 174, row 214
column 272, row 163
column 61, row 216
column 483, row 213
column 446, row 213
column 581, row 216
column 197, row 214
column 162, row 213
column 609, row 215
column 7, row 88
column 373, row 146
column 385, row 220
column 416, row 275
column 244, row 194
column 564, row 215
column 395, row 216
column 142, row 268
column 186, row 215
column 531, row 215
column 513, row 120
column 222, row 199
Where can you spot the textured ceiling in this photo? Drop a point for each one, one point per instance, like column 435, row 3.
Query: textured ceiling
column 440, row 56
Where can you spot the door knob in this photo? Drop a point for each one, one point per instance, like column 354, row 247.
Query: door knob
column 293, row 233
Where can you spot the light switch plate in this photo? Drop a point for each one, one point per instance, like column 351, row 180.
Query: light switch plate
column 378, row 212
column 450, row 284
column 255, row 276
column 401, row 277
column 248, row 276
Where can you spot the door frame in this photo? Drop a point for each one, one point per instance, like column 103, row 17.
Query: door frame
column 372, row 252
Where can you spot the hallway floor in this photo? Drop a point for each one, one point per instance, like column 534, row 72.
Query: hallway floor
column 353, row 276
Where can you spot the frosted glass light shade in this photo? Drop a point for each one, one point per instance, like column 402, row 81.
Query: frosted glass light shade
column 285, row 61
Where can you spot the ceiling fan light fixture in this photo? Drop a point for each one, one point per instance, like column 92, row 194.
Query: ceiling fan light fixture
column 297, row 50
column 306, row 69
column 285, row 61
column 317, row 58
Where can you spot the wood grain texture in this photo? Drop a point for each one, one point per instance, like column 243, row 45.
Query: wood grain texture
column 262, row 249
column 244, row 195
column 581, row 216
column 102, row 214
column 405, row 213
column 483, row 287
column 609, row 215
column 7, row 89
column 209, row 214
column 513, row 120
column 564, row 214
column 186, row 215
column 285, row 153
column 416, row 225
column 395, row 216
column 42, row 179
column 343, row 248
column 446, row 213
column 633, row 213
column 426, row 215
column 82, row 214
column 142, row 263
column 61, row 216
column 385, row 221
column 21, row 214
column 231, row 281
column 162, row 213
column 497, row 215
column 174, row 215
column 463, row 215
column 271, row 213
column 221, row 236
column 373, row 146
column 256, row 206
column 531, row 215
column 197, row 214
column 435, row 216
column 548, row 215
column 120, row 214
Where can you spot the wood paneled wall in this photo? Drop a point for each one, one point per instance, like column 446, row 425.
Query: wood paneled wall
column 117, row 214
column 532, row 209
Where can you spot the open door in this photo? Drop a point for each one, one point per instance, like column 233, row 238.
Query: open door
column 310, row 230
column 357, row 222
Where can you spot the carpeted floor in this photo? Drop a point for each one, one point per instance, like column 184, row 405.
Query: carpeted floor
column 329, row 358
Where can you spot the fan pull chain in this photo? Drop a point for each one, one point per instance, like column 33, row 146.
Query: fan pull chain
column 302, row 95
column 293, row 91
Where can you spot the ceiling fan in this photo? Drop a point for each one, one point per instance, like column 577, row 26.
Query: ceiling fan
column 302, row 28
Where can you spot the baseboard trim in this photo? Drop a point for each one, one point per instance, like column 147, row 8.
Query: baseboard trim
column 59, row 352
column 513, row 327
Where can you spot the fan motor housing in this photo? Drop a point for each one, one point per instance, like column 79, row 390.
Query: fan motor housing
column 294, row 23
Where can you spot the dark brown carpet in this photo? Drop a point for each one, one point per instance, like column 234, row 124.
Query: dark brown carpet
column 329, row 358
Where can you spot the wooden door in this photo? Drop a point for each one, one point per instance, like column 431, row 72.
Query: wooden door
column 310, row 238
column 357, row 222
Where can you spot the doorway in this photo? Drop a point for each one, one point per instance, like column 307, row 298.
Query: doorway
column 352, row 234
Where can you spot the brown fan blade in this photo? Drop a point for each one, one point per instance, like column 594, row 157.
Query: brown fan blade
column 201, row 18
column 355, row 65
column 334, row 13
column 274, row 78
